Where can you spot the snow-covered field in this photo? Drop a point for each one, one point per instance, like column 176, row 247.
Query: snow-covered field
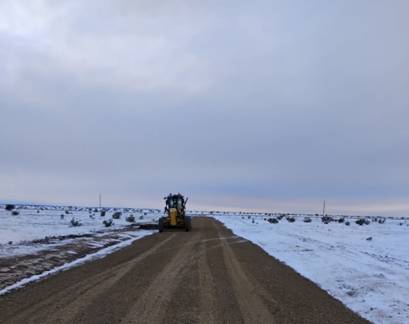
column 37, row 222
column 366, row 267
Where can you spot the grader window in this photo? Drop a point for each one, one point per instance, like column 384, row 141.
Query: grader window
column 172, row 203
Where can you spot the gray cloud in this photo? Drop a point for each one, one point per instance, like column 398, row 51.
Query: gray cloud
column 259, row 105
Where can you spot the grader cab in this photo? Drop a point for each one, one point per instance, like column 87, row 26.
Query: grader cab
column 175, row 214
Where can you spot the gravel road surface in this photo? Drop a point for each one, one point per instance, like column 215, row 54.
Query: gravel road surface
column 208, row 275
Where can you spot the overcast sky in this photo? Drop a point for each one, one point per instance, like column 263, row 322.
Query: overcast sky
column 256, row 105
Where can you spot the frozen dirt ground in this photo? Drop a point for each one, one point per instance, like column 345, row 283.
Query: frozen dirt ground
column 207, row 275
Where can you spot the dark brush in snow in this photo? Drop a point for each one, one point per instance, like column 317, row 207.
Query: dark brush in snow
column 116, row 215
column 130, row 219
column 360, row 222
column 326, row 219
column 108, row 222
column 75, row 222
column 9, row 207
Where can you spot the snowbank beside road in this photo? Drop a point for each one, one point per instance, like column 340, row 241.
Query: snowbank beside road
column 366, row 267
column 131, row 237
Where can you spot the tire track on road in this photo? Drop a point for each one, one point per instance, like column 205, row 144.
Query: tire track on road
column 82, row 293
column 252, row 306
column 151, row 306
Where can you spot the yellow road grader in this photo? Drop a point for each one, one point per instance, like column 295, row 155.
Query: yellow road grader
column 175, row 214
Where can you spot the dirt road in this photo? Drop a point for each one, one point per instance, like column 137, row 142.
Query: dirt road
column 208, row 275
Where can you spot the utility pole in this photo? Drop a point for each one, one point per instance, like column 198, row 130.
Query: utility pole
column 100, row 200
column 323, row 210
